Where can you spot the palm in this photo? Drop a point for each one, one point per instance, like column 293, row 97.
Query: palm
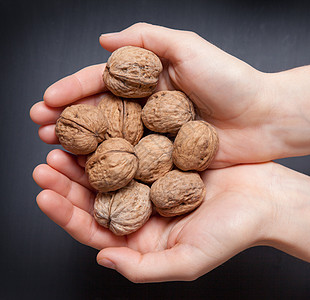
column 222, row 226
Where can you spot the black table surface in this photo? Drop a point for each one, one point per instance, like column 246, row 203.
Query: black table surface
column 43, row 41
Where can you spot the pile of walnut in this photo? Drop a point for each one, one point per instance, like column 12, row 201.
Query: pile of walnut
column 134, row 169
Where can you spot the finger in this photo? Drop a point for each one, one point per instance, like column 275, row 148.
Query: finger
column 78, row 223
column 160, row 40
column 43, row 114
column 182, row 262
column 68, row 165
column 81, row 84
column 48, row 178
column 47, row 134
column 50, row 115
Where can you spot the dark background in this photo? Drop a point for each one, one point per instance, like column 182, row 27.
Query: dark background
column 43, row 41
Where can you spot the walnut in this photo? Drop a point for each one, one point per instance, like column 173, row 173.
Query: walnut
column 125, row 210
column 132, row 72
column 195, row 146
column 112, row 166
column 177, row 193
column 123, row 118
column 80, row 128
column 154, row 152
column 167, row 111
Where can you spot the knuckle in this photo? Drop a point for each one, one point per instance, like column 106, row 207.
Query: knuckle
column 141, row 26
column 191, row 34
column 192, row 276
column 136, row 278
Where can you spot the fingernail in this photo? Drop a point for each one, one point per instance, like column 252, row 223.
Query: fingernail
column 108, row 34
column 106, row 263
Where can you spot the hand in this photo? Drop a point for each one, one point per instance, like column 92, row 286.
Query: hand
column 250, row 109
column 246, row 205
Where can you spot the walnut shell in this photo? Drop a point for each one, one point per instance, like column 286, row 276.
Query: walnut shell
column 154, row 152
column 125, row 210
column 195, row 146
column 123, row 118
column 167, row 111
column 177, row 193
column 112, row 166
column 132, row 72
column 80, row 128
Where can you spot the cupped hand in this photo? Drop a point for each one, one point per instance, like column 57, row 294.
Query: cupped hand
column 244, row 206
column 227, row 92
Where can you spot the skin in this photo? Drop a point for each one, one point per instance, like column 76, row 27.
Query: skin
column 250, row 201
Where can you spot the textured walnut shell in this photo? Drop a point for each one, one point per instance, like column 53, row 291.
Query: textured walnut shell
column 112, row 166
column 123, row 118
column 167, row 111
column 80, row 128
column 132, row 72
column 125, row 210
column 195, row 146
column 177, row 193
column 154, row 152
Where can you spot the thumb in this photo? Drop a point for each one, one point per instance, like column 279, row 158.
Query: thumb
column 182, row 262
column 160, row 40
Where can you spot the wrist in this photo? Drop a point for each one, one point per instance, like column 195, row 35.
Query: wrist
column 287, row 224
column 288, row 123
